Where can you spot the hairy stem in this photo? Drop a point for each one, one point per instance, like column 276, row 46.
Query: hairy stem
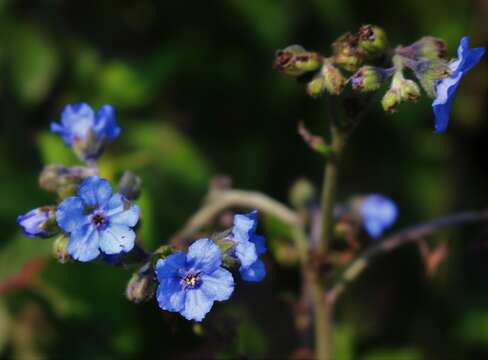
column 406, row 236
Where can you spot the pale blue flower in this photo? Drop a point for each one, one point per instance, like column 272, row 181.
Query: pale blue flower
column 378, row 213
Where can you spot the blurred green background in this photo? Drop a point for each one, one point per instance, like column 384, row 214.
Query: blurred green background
column 196, row 96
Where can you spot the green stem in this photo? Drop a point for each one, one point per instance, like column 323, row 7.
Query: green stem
column 322, row 308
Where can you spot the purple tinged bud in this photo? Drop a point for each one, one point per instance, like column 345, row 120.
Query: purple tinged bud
column 39, row 222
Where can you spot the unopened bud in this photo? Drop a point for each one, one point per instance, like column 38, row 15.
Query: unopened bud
column 142, row 286
column 39, row 222
column 409, row 90
column 296, row 61
column 60, row 249
column 130, row 185
column 346, row 53
column 428, row 47
column 391, row 100
column 329, row 79
column 372, row 40
column 61, row 179
column 369, row 78
column 302, row 193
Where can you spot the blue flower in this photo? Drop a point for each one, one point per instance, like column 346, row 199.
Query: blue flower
column 446, row 88
column 189, row 284
column 86, row 131
column 34, row 222
column 97, row 221
column 249, row 246
column 378, row 213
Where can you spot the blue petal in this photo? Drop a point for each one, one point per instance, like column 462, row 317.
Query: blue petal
column 116, row 239
column 244, row 225
column 218, row 285
column 63, row 132
column 260, row 244
column 246, row 253
column 170, row 295
column 95, row 191
column 204, row 255
column 31, row 222
column 79, row 119
column 83, row 244
column 197, row 305
column 106, row 125
column 118, row 214
column 171, row 266
column 69, row 214
column 446, row 88
column 255, row 272
column 378, row 213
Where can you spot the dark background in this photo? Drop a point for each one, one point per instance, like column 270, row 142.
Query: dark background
column 196, row 96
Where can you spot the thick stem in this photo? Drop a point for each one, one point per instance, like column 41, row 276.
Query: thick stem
column 323, row 314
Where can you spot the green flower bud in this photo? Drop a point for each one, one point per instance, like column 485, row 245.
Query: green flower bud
column 409, row 90
column 372, row 40
column 60, row 249
column 142, row 285
column 428, row 47
column 346, row 54
column 329, row 79
column 391, row 100
column 369, row 78
column 296, row 61
column 302, row 193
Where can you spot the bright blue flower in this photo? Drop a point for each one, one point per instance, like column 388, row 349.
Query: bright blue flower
column 97, row 221
column 33, row 222
column 249, row 246
column 81, row 128
column 446, row 88
column 189, row 284
column 378, row 213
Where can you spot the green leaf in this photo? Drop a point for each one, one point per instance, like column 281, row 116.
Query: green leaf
column 161, row 145
column 34, row 64
column 394, row 354
column 344, row 342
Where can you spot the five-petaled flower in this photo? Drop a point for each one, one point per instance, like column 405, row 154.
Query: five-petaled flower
column 86, row 131
column 445, row 89
column 249, row 246
column 97, row 221
column 34, row 223
column 190, row 283
column 378, row 213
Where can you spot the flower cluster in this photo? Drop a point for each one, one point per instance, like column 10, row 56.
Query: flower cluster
column 364, row 54
column 190, row 283
column 92, row 222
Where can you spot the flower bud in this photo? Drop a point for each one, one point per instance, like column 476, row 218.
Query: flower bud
column 346, row 54
column 329, row 79
column 39, row 222
column 428, row 47
column 429, row 73
column 61, row 179
column 141, row 287
column 302, row 193
column 296, row 61
column 130, row 185
column 391, row 100
column 369, row 78
column 409, row 90
column 60, row 249
column 372, row 40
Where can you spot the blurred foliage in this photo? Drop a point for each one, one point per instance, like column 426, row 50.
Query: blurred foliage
column 196, row 96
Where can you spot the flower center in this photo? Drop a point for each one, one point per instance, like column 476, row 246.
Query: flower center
column 98, row 219
column 191, row 281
